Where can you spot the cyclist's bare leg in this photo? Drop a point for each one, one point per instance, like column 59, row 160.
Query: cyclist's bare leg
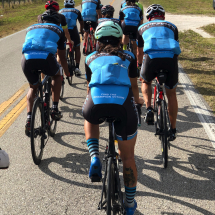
column 125, row 39
column 126, row 152
column 172, row 106
column 31, row 96
column 147, row 92
column 56, row 87
column 85, row 37
column 77, row 54
column 91, row 130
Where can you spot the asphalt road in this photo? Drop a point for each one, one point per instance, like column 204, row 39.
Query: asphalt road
column 60, row 185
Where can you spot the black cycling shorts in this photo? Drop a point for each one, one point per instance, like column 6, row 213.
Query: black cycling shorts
column 87, row 26
column 128, row 29
column 150, row 66
column 48, row 66
column 75, row 37
column 125, row 126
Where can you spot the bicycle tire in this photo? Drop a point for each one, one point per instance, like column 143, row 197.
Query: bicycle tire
column 164, row 135
column 88, row 46
column 110, row 186
column 71, row 69
column 62, row 88
column 37, row 132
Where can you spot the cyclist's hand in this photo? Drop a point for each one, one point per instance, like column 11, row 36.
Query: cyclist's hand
column 71, row 42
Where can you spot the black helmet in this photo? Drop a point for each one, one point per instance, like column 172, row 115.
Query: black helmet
column 131, row 1
column 51, row 16
column 154, row 8
column 107, row 9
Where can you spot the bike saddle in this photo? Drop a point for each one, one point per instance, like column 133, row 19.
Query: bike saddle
column 161, row 76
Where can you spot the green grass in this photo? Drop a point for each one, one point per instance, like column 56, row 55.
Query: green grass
column 184, row 6
column 209, row 29
column 197, row 59
column 22, row 16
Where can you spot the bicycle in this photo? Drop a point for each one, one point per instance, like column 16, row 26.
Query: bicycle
column 130, row 45
column 162, row 121
column 41, row 124
column 111, row 189
column 70, row 61
column 89, row 48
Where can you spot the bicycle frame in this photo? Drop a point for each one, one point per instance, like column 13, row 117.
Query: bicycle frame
column 160, row 92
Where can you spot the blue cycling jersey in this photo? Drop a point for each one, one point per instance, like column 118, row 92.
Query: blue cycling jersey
column 109, row 80
column 42, row 38
column 89, row 10
column 101, row 20
column 71, row 15
column 160, row 39
column 132, row 15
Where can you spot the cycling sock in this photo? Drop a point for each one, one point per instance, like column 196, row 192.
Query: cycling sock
column 130, row 193
column 29, row 116
column 124, row 47
column 55, row 106
column 93, row 146
column 77, row 65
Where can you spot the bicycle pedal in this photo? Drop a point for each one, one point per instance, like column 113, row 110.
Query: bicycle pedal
column 95, row 179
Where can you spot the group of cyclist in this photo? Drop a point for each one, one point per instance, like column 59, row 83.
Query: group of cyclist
column 111, row 71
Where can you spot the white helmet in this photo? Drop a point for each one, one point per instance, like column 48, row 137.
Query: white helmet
column 69, row 2
column 154, row 8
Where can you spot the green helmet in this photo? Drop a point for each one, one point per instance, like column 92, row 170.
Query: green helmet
column 108, row 31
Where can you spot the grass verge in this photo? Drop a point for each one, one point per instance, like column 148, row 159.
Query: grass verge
column 184, row 6
column 197, row 59
column 209, row 29
column 21, row 16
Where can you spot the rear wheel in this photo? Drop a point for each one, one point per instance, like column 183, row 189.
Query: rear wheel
column 164, row 140
column 110, row 186
column 37, row 131
column 70, row 65
column 62, row 87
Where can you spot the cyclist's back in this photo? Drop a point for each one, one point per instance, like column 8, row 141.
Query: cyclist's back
column 89, row 8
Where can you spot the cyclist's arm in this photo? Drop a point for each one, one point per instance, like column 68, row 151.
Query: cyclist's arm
column 81, row 22
column 121, row 16
column 88, row 76
column 141, row 18
column 132, row 72
column 68, row 35
column 61, row 53
column 98, row 10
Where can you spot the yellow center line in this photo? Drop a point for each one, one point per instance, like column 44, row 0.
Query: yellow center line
column 5, row 105
column 112, row 2
column 7, row 121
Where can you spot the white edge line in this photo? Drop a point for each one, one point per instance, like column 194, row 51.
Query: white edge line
column 198, row 105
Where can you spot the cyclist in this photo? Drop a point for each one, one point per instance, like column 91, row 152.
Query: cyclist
column 123, row 4
column 107, row 12
column 53, row 5
column 112, row 86
column 41, row 43
column 72, row 15
column 161, row 49
column 91, row 12
column 131, row 17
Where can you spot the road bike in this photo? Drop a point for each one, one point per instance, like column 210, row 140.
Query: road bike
column 89, row 47
column 70, row 56
column 111, row 196
column 162, row 121
column 42, row 125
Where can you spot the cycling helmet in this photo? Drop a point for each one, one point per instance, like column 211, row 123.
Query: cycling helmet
column 51, row 16
column 107, row 9
column 154, row 8
column 52, row 5
column 131, row 1
column 108, row 32
column 69, row 2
